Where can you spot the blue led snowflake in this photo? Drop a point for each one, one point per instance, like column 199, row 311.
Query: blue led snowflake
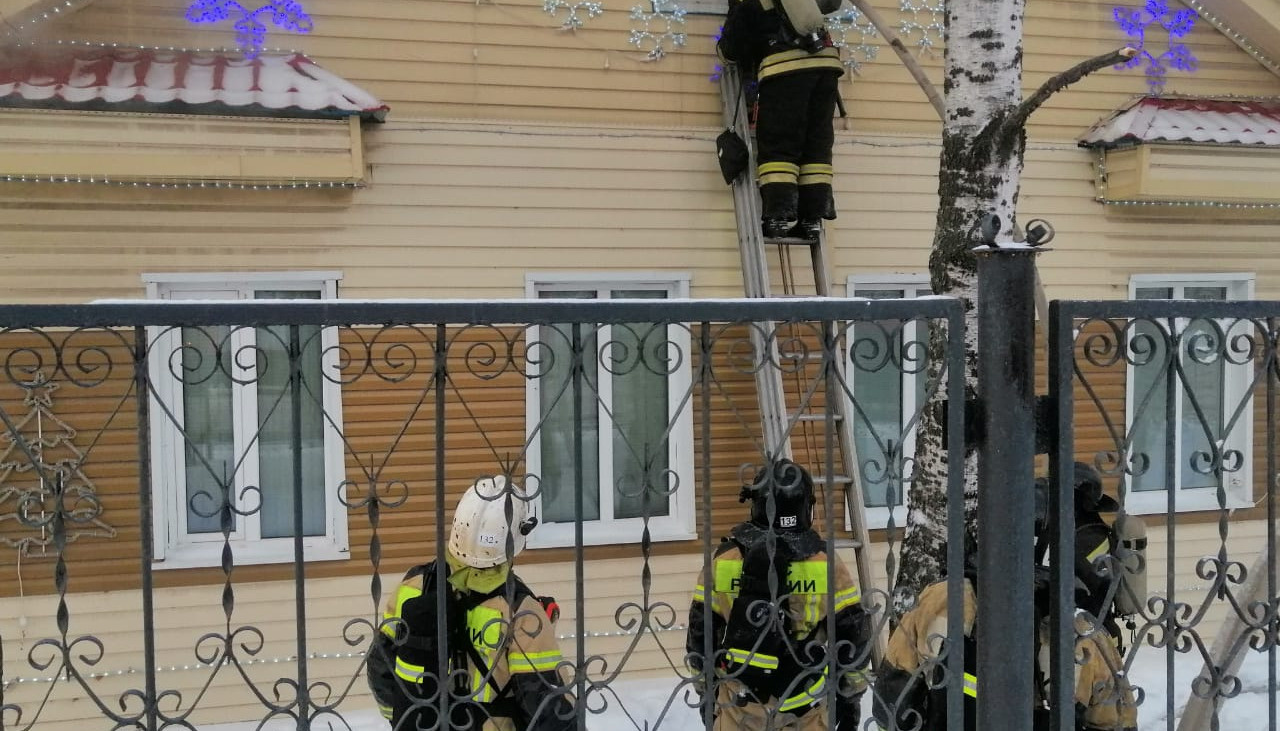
column 1135, row 23
column 251, row 32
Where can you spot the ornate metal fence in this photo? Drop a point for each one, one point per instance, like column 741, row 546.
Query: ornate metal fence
column 1180, row 401
column 202, row 499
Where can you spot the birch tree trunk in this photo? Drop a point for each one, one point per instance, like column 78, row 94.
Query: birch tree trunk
column 979, row 174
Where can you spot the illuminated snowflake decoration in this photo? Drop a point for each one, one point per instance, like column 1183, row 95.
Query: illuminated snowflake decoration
column 654, row 30
column 574, row 19
column 851, row 31
column 251, row 31
column 921, row 24
column 1135, row 24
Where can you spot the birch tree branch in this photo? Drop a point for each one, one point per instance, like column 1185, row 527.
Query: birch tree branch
column 1014, row 122
column 913, row 66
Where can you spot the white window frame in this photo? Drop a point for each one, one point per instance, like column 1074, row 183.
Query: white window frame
column 913, row 285
column 678, row 524
column 1236, row 380
column 173, row 547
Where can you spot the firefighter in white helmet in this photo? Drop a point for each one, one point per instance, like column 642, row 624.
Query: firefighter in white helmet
column 503, row 667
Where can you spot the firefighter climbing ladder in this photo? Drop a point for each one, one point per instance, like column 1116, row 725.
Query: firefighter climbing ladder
column 779, row 421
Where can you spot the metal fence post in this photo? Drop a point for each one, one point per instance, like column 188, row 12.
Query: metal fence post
column 1006, row 505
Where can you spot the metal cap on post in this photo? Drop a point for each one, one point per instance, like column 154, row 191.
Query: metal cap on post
column 1006, row 507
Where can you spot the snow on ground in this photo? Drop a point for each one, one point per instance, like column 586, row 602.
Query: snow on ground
column 641, row 704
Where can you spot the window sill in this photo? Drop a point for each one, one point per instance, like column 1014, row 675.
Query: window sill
column 1157, row 503
column 561, row 535
column 209, row 555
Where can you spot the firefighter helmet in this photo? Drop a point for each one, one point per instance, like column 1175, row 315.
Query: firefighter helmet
column 786, row 489
column 480, row 526
column 1089, row 494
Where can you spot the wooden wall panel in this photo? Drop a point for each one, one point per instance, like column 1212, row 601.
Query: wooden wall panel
column 510, row 61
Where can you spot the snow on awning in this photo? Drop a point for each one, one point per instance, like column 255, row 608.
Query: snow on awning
column 1189, row 120
column 120, row 79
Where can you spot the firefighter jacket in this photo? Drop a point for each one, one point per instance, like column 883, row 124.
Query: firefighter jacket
column 759, row 40
column 1104, row 699
column 808, row 595
column 907, row 688
column 513, row 677
column 908, row 692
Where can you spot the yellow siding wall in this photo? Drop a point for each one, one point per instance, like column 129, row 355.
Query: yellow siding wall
column 508, row 60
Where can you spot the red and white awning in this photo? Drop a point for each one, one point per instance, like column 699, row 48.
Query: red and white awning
column 1188, row 119
column 180, row 81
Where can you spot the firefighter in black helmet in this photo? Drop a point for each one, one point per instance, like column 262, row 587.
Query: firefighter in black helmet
column 768, row 594
column 785, row 47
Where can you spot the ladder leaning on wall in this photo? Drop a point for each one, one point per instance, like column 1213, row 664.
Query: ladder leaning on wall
column 780, row 420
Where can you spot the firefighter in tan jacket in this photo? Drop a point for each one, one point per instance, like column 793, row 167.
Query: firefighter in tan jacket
column 910, row 694
column 769, row 592
column 494, row 627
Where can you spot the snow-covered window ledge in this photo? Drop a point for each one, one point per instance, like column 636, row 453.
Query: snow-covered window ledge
column 145, row 116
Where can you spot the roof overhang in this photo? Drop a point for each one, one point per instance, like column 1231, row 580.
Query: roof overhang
column 16, row 15
column 1254, row 25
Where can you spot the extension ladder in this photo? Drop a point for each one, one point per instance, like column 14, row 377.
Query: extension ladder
column 780, row 421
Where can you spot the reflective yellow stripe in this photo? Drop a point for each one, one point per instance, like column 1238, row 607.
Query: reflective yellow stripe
column 848, row 597
column 754, row 659
column 485, row 692
column 815, row 180
column 857, row 680
column 386, row 711
column 799, row 60
column 1101, row 549
column 778, row 167
column 808, row 697
column 971, row 685
column 699, row 593
column 409, row 671
column 775, row 178
column 534, row 662
column 816, row 168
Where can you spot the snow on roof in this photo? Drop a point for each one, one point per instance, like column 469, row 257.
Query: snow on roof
column 179, row 81
column 1190, row 119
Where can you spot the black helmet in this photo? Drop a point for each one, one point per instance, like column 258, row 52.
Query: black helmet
column 792, row 489
column 1089, row 494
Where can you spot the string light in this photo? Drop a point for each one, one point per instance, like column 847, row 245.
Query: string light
column 655, row 29
column 184, row 185
column 294, row 658
column 251, row 32
column 12, row 30
column 146, row 48
column 1237, row 38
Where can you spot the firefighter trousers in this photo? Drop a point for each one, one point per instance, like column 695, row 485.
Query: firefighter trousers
column 794, row 136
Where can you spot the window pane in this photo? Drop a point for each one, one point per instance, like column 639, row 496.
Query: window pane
column 1153, row 293
column 640, row 405
column 877, row 413
column 1204, row 373
column 207, row 424
column 1150, row 422
column 1216, row 294
column 276, row 435
column 557, row 427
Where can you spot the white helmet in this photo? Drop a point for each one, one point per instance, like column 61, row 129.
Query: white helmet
column 480, row 528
